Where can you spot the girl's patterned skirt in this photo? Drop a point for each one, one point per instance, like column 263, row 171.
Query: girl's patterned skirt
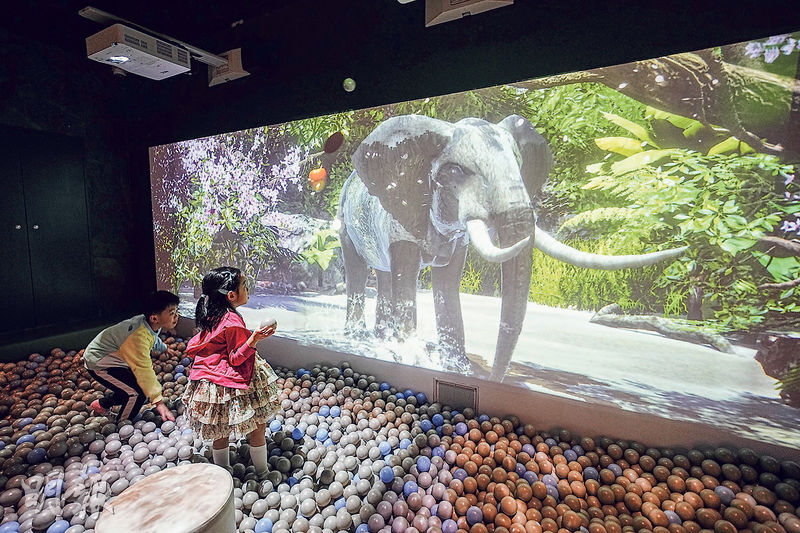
column 216, row 412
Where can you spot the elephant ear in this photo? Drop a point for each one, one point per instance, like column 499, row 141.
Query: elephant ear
column 394, row 162
column 537, row 159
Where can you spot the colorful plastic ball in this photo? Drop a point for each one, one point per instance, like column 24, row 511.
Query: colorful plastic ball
column 36, row 456
column 25, row 438
column 338, row 504
column 549, row 479
column 37, row 427
column 483, row 418
column 408, row 392
column 404, row 444
column 186, row 361
column 461, row 428
column 449, row 526
column 460, row 474
column 439, row 452
column 425, row 426
column 10, row 527
column 400, row 396
column 423, row 463
column 387, row 474
column 322, row 434
column 530, row 477
column 2, row 444
column 591, row 472
column 385, row 386
column 54, row 488
column 59, row 526
column 673, row 517
column 725, row 494
column 421, row 398
column 324, row 410
column 297, row 433
column 409, row 487
column 614, row 467
column 474, row 515
column 385, row 448
column 550, row 441
column 336, row 411
column 301, row 371
column 179, row 369
column 275, row 425
column 553, row 491
column 22, row 422
column 437, row 419
column 362, row 528
column 570, row 455
column 264, row 526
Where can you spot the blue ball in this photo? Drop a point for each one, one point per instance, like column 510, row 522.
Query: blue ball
column 54, row 488
column 37, row 427
column 579, row 449
column 10, row 527
column 328, row 442
column 550, row 442
column 483, row 418
column 186, row 361
column 453, row 412
column 437, row 419
column 385, row 448
column 22, row 422
column 520, row 430
column 59, row 526
column 461, row 428
column 400, row 396
column 25, row 438
column 336, row 411
column 425, row 426
column 530, row 477
column 438, row 451
column 2, row 444
column 673, row 517
column 409, row 487
column 421, row 398
column 292, row 481
column 591, row 472
column 324, row 410
column 178, row 375
column 297, row 434
column 179, row 369
column 275, row 425
column 614, row 467
column 362, row 528
column 408, row 392
column 36, row 456
column 275, row 452
column 423, row 463
column 385, row 386
column 570, row 455
column 549, row 479
column 387, row 474
column 322, row 434
column 338, row 504
column 520, row 469
column 313, row 388
column 460, row 474
column 404, row 444
column 301, row 371
column 725, row 494
column 552, row 491
column 264, row 526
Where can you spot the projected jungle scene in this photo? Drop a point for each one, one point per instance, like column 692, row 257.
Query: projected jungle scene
column 625, row 235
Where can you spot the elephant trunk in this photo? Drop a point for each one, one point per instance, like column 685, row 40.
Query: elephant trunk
column 516, row 283
column 479, row 236
column 562, row 252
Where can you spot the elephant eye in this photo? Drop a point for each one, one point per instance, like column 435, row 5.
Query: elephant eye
column 451, row 171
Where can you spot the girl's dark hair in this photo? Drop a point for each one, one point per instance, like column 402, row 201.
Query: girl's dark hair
column 213, row 304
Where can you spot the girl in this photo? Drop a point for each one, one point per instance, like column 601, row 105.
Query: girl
column 231, row 391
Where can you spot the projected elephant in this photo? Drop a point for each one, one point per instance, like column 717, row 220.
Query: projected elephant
column 421, row 192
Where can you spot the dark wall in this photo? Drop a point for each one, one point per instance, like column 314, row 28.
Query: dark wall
column 45, row 89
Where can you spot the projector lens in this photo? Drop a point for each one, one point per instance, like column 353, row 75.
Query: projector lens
column 118, row 59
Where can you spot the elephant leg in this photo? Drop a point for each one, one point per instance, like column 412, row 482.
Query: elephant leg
column 355, row 273
column 405, row 257
column 446, row 281
column 383, row 305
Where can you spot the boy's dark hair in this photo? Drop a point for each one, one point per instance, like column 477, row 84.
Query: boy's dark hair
column 156, row 302
column 213, row 304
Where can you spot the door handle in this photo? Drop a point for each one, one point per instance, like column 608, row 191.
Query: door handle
column 36, row 226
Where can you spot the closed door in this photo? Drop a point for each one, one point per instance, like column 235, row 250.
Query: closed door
column 15, row 267
column 58, row 236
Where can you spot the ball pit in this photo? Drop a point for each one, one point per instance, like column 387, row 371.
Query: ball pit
column 350, row 452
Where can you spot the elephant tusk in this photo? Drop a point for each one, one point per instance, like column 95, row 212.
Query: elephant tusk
column 562, row 252
column 479, row 236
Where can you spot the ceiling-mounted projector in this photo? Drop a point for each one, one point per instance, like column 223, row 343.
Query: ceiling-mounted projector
column 137, row 52
column 438, row 11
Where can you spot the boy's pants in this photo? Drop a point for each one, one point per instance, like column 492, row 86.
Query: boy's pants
column 127, row 391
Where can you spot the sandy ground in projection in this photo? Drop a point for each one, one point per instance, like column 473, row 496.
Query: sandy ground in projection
column 561, row 352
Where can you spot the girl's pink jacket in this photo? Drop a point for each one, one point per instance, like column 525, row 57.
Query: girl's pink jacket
column 222, row 355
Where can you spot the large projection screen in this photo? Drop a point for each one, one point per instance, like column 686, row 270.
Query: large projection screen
column 623, row 235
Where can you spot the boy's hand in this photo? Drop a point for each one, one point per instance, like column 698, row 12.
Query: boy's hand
column 164, row 411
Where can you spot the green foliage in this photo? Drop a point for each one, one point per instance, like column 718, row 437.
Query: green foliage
column 323, row 249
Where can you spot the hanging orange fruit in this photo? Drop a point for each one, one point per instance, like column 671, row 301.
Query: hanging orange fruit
column 318, row 178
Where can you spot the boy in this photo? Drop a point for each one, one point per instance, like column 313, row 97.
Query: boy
column 119, row 358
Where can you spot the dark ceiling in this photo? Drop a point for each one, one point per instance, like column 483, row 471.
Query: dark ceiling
column 299, row 51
